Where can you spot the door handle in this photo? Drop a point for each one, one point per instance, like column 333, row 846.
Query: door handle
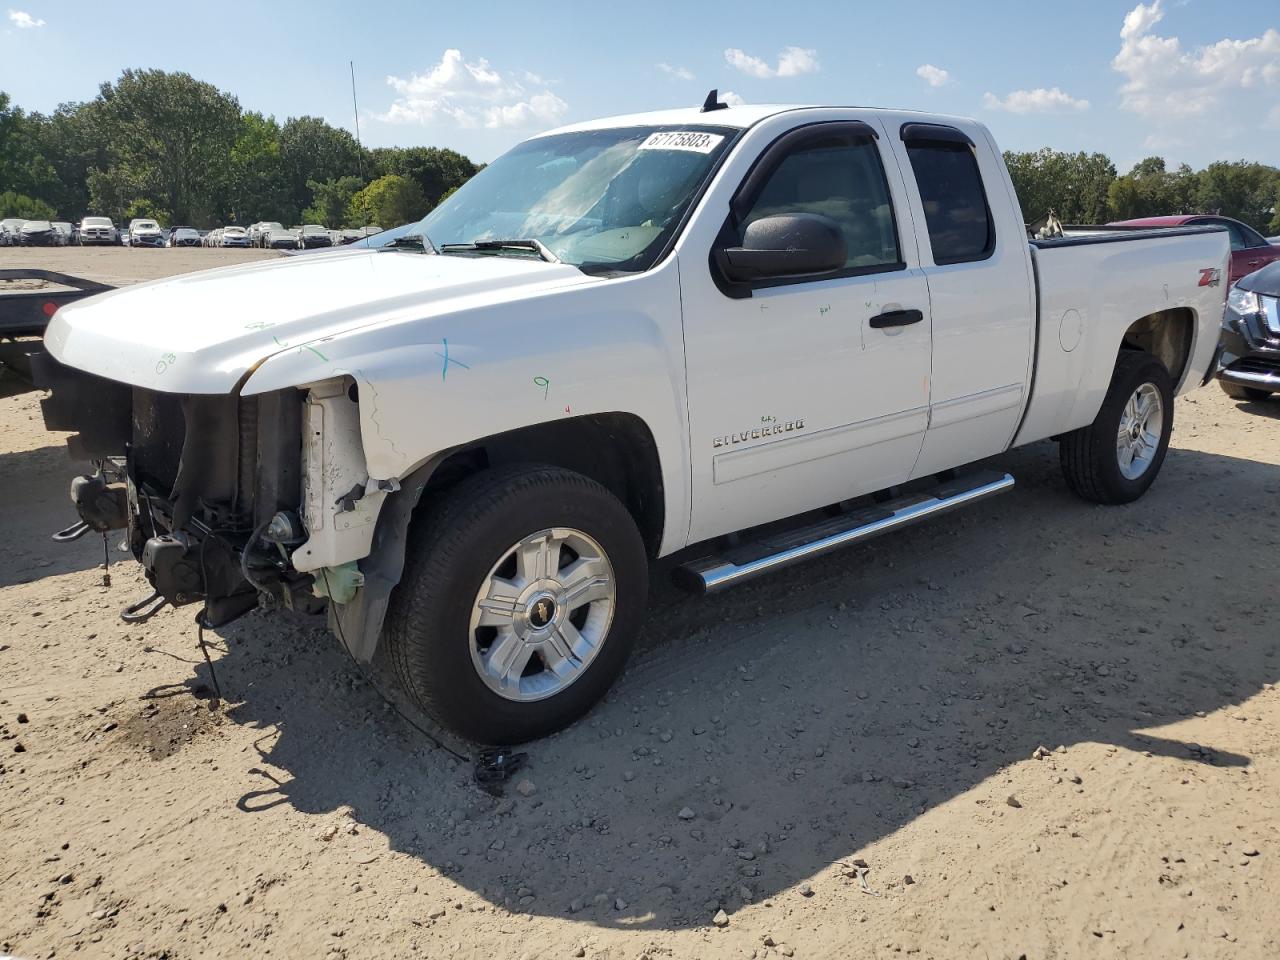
column 896, row 318
column 1254, row 263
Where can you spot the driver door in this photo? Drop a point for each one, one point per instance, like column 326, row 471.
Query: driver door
column 805, row 391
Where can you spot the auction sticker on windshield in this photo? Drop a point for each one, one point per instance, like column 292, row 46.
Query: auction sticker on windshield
column 692, row 140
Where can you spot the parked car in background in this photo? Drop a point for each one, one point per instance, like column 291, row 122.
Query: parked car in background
column 1250, row 250
column 1249, row 368
column 313, row 235
column 281, row 238
column 39, row 233
column 234, row 237
column 184, row 237
column 65, row 232
column 213, row 237
column 94, row 230
column 145, row 233
column 10, row 230
column 259, row 231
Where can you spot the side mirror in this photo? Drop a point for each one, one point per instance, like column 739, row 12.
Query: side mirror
column 788, row 245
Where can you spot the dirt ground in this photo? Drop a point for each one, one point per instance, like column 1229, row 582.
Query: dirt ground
column 882, row 707
column 120, row 265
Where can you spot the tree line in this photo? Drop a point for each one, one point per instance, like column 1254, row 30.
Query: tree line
column 1085, row 188
column 168, row 146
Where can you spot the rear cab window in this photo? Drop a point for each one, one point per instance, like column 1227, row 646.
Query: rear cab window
column 957, row 215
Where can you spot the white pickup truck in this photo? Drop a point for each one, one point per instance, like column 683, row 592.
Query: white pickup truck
column 621, row 339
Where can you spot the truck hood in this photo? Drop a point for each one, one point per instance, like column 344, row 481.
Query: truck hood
column 203, row 332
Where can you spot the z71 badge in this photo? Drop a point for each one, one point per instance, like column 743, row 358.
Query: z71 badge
column 771, row 428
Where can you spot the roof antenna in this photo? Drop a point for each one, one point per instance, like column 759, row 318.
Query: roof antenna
column 713, row 103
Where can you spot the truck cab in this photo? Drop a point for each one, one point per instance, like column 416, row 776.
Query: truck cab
column 751, row 334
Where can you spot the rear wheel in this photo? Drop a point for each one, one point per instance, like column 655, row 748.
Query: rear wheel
column 1237, row 392
column 1117, row 457
column 522, row 593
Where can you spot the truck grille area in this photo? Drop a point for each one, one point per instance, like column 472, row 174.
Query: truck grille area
column 225, row 460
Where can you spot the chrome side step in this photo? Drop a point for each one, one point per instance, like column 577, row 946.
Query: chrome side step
column 750, row 560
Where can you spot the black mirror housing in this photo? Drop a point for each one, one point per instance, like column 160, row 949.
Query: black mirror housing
column 787, row 245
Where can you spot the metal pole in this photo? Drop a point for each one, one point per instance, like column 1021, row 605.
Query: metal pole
column 355, row 110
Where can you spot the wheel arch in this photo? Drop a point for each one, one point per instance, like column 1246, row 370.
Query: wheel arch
column 1168, row 335
column 616, row 449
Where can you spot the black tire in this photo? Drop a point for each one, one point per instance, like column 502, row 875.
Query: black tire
column 1237, row 392
column 1088, row 455
column 453, row 546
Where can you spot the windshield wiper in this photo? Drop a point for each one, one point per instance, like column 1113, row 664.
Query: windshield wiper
column 411, row 241
column 537, row 246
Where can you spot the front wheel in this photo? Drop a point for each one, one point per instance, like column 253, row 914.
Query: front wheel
column 522, row 593
column 1237, row 392
column 1117, row 457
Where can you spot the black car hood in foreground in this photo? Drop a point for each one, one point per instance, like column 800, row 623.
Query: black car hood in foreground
column 1265, row 281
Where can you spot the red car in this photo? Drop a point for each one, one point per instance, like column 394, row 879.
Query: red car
column 1250, row 250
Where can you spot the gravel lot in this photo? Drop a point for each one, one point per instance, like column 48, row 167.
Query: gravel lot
column 840, row 761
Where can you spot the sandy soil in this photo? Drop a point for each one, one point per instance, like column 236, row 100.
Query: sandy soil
column 117, row 266
column 881, row 707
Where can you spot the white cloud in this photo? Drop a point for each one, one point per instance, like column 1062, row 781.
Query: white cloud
column 733, row 100
column 933, row 76
column 23, row 20
column 676, row 73
column 472, row 95
column 1164, row 82
column 1038, row 100
column 792, row 62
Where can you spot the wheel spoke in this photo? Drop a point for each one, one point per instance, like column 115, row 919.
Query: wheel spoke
column 498, row 606
column 558, row 651
column 584, row 581
column 507, row 658
column 537, row 559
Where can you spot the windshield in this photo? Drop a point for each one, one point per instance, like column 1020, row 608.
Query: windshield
column 604, row 200
column 97, row 222
column 146, row 225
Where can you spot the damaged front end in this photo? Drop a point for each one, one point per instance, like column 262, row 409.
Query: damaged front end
column 224, row 499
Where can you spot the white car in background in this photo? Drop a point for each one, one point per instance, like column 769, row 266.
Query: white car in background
column 234, row 237
column 145, row 233
column 97, row 230
column 10, row 229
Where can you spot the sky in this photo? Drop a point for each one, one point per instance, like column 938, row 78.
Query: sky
column 1190, row 80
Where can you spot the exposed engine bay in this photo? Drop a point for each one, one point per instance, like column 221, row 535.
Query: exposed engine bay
column 211, row 490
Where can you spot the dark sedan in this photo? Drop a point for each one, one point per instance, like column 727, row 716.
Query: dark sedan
column 39, row 233
column 1250, row 363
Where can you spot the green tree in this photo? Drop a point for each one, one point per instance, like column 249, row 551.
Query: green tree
column 389, row 201
column 1240, row 189
column 1073, row 184
column 171, row 134
column 71, row 140
column 256, row 188
column 330, row 201
column 437, row 171
column 23, row 167
column 311, row 150
column 20, row 205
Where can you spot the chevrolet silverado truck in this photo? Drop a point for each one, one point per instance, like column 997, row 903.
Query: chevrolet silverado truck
column 751, row 334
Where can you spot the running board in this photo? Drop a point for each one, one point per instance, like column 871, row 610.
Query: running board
column 750, row 560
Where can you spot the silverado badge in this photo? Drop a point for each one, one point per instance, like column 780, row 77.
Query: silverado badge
column 755, row 433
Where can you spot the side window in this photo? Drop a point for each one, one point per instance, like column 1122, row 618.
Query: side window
column 839, row 177
column 955, row 204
